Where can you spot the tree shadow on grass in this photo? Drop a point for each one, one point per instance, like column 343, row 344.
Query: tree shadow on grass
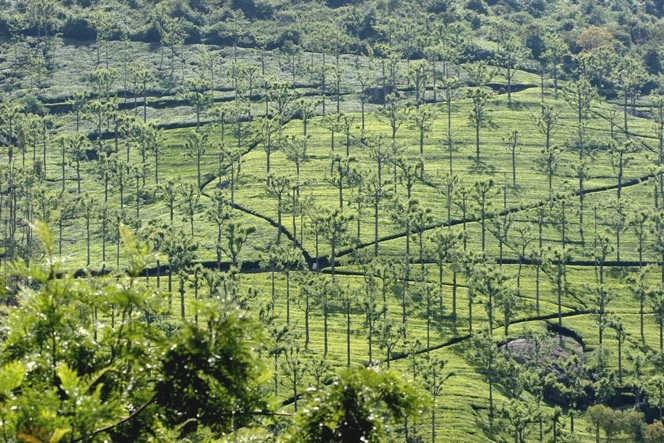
column 445, row 324
column 491, row 427
column 481, row 167
column 516, row 105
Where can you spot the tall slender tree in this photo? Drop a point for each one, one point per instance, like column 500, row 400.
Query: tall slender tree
column 580, row 96
column 479, row 116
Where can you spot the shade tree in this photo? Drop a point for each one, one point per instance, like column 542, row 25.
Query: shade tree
column 639, row 361
column 451, row 87
column 319, row 369
column 171, row 34
column 406, row 171
column 487, row 356
column 658, row 127
column 197, row 93
column 482, row 192
column 421, row 219
column 388, row 273
column 580, row 96
column 656, row 302
column 572, row 386
column 281, row 96
column 500, row 227
column 239, row 115
column 120, row 172
column 479, row 116
column 219, row 212
column 190, row 196
column 462, row 196
column 27, row 135
column 493, row 283
column 517, row 416
column 373, row 312
column 554, row 264
column 479, row 72
column 89, row 205
column 142, row 80
column 345, row 298
column 334, row 123
column 470, row 268
column 510, row 56
column 293, row 367
column 236, row 236
column 267, row 127
column 78, row 101
column 278, row 187
column 196, row 146
column 305, row 109
column 655, row 394
column 558, row 209
column 630, row 77
column 290, row 260
column 363, row 77
column 103, row 81
column 99, row 113
column 511, row 141
column 361, row 196
column 341, row 174
column 76, row 146
column 296, row 150
column 521, row 245
column 169, row 192
column 427, row 292
column 443, row 246
column 395, row 113
column 621, row 157
column 312, row 288
column 617, row 325
column 148, row 140
column 230, row 166
column 601, row 296
column 555, row 52
column 290, row 60
column 423, row 119
column 337, row 77
column 269, row 259
column 376, row 184
column 390, row 334
column 418, row 78
column 657, row 234
column 434, row 376
column 406, row 212
column 333, row 227
column 447, row 45
column 639, row 288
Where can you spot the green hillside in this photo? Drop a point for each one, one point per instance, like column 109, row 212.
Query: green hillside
column 246, row 198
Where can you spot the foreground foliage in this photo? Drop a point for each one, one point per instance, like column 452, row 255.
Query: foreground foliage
column 85, row 360
column 357, row 407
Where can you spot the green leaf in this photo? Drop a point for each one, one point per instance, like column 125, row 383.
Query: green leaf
column 46, row 236
column 57, row 435
column 11, row 376
column 68, row 379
